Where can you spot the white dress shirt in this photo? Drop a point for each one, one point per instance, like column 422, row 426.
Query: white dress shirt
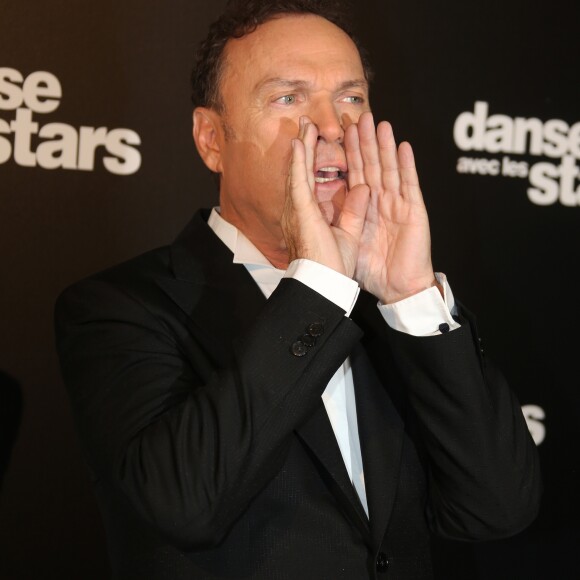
column 420, row 315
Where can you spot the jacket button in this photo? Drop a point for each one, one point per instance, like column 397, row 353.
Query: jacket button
column 308, row 340
column 443, row 327
column 382, row 562
column 315, row 329
column 298, row 348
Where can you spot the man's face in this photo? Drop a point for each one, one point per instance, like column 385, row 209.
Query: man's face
column 290, row 66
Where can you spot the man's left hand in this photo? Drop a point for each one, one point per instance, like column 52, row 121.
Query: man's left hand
column 394, row 259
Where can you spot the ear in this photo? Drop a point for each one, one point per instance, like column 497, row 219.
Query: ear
column 208, row 137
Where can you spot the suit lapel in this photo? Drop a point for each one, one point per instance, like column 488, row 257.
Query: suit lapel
column 380, row 407
column 318, row 435
column 381, row 435
column 219, row 297
column 221, row 300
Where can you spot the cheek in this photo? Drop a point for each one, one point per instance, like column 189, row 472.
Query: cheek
column 349, row 117
column 259, row 157
column 278, row 136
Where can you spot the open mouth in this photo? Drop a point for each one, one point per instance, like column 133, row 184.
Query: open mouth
column 326, row 174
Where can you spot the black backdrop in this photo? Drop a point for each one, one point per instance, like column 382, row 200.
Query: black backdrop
column 510, row 253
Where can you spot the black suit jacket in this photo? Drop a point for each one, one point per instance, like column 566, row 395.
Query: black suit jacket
column 211, row 451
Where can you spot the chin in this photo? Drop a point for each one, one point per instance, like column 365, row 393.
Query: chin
column 328, row 211
column 330, row 196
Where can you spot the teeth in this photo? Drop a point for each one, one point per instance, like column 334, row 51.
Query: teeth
column 326, row 174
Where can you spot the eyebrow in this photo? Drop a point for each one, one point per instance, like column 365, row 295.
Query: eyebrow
column 275, row 82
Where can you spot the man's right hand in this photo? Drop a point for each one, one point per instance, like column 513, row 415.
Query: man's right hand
column 306, row 231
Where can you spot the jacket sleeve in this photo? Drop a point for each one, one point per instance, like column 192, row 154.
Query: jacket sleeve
column 189, row 446
column 483, row 467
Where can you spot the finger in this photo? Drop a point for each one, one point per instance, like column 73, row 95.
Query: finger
column 354, row 209
column 299, row 187
column 354, row 160
column 389, row 159
column 369, row 148
column 309, row 138
column 301, row 123
column 409, row 179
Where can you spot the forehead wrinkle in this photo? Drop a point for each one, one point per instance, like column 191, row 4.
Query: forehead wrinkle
column 279, row 82
column 355, row 84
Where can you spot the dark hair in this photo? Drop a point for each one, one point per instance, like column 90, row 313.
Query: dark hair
column 242, row 17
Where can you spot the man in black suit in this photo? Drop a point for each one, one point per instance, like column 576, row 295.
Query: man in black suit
column 245, row 412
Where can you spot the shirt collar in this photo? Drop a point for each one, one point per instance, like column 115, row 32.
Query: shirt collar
column 243, row 250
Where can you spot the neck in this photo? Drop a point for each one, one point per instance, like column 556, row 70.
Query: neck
column 277, row 259
column 270, row 244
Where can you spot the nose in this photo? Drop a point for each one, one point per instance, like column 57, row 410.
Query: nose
column 327, row 119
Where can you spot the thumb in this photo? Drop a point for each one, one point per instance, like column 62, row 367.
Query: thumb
column 353, row 214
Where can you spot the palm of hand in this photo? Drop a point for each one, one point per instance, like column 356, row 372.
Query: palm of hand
column 306, row 231
column 381, row 236
column 394, row 258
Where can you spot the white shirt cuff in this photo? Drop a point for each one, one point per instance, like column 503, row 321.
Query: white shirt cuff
column 424, row 314
column 336, row 287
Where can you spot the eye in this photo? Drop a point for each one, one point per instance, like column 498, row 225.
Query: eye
column 286, row 100
column 354, row 100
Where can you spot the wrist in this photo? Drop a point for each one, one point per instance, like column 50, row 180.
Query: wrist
column 390, row 296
